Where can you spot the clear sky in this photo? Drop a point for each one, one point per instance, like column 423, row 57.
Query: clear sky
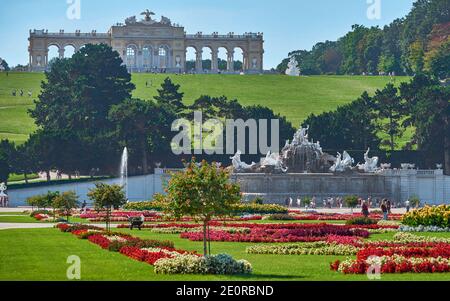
column 287, row 24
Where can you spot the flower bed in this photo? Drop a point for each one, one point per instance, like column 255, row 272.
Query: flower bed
column 393, row 264
column 222, row 264
column 162, row 254
column 438, row 216
column 423, row 229
column 300, row 233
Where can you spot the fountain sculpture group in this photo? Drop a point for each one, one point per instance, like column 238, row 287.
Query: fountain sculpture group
column 302, row 169
column 304, row 156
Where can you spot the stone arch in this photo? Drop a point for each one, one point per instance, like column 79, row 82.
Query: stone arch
column 239, row 58
column 53, row 52
column 207, row 58
column 147, row 56
column 191, row 56
column 164, row 56
column 69, row 50
column 222, row 56
column 131, row 54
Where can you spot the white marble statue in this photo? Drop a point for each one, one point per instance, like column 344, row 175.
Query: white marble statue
column 238, row 164
column 343, row 162
column 370, row 165
column 3, row 189
column 293, row 69
column 273, row 159
column 301, row 136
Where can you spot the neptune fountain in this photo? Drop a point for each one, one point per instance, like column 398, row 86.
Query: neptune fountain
column 302, row 169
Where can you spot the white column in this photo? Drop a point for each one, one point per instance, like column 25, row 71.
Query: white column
column 198, row 61
column 230, row 61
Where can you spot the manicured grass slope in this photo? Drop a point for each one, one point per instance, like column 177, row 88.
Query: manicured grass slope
column 292, row 97
column 41, row 254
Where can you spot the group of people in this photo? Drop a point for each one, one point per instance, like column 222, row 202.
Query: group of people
column 21, row 93
column 385, row 207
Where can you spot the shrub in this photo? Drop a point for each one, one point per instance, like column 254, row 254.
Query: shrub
column 361, row 221
column 222, row 264
column 258, row 209
column 251, row 208
column 258, row 201
column 351, row 201
column 279, row 217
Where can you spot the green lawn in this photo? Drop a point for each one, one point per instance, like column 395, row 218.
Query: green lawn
column 41, row 254
column 293, row 97
column 17, row 219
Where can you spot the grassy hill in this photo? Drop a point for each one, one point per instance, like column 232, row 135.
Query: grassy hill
column 294, row 97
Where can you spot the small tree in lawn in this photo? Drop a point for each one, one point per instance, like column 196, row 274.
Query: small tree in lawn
column 201, row 192
column 107, row 197
column 351, row 201
column 65, row 202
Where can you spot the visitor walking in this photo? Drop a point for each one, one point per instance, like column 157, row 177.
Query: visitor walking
column 384, row 209
column 388, row 205
column 407, row 203
column 84, row 207
column 299, row 202
column 365, row 209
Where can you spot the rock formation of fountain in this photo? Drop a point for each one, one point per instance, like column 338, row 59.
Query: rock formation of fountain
column 124, row 171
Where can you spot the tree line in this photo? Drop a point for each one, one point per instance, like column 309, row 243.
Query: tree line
column 419, row 42
column 86, row 115
column 422, row 106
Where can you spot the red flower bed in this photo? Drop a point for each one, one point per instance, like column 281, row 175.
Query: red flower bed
column 439, row 250
column 306, row 233
column 391, row 266
column 100, row 240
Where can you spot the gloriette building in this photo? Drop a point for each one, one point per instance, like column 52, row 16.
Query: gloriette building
column 153, row 46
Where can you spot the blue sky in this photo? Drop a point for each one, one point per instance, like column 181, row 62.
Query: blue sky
column 287, row 24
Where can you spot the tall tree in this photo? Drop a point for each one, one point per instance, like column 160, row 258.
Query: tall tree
column 432, row 121
column 143, row 126
column 390, row 110
column 7, row 153
column 77, row 96
column 170, row 95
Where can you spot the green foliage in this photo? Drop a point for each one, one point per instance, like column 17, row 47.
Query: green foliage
column 258, row 201
column 399, row 47
column 7, row 155
column 74, row 103
column 361, row 221
column 279, row 217
column 257, row 209
column 65, row 202
column 43, row 200
column 440, row 63
column 158, row 204
column 106, row 197
column 390, row 107
column 201, row 192
column 414, row 201
column 352, row 126
column 351, row 201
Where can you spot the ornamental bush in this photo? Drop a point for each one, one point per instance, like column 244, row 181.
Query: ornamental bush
column 221, row 264
column 238, row 209
column 279, row 217
column 361, row 221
